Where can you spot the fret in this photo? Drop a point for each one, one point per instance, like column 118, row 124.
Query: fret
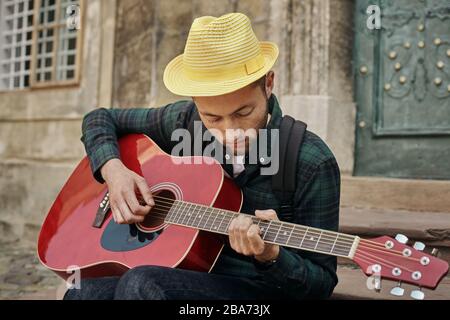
column 177, row 213
column 214, row 227
column 263, row 228
column 325, row 242
column 342, row 248
column 188, row 214
column 267, row 228
column 229, row 222
column 204, row 218
column 284, row 233
column 172, row 213
column 309, row 241
column 304, row 236
column 290, row 235
column 334, row 243
column 181, row 215
column 205, row 226
column 194, row 214
column 199, row 216
column 278, row 231
column 318, row 240
column 221, row 221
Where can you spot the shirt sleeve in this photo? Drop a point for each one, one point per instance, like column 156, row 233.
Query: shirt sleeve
column 303, row 274
column 101, row 129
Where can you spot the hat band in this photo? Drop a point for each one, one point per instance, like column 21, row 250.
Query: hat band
column 226, row 73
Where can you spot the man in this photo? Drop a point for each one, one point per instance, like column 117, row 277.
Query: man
column 227, row 72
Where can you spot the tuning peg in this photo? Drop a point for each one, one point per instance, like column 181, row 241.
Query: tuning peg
column 377, row 284
column 419, row 246
column 398, row 291
column 401, row 238
column 417, row 294
column 435, row 252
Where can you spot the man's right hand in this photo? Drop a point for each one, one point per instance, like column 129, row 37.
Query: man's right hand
column 122, row 186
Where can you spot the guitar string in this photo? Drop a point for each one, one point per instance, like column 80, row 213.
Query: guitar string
column 363, row 259
column 359, row 251
column 392, row 252
column 308, row 230
column 338, row 246
column 282, row 224
column 386, row 261
column 374, row 261
column 294, row 233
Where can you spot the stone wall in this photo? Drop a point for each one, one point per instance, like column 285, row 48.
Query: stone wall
column 40, row 132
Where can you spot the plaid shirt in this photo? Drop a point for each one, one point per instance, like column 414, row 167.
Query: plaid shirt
column 300, row 274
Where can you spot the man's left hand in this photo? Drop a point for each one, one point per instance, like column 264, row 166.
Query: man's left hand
column 245, row 237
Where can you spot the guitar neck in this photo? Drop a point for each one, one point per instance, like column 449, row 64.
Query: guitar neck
column 276, row 232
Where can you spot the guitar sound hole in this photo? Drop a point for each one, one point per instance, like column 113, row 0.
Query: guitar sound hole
column 155, row 218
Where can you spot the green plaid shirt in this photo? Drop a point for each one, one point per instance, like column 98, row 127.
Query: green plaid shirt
column 300, row 274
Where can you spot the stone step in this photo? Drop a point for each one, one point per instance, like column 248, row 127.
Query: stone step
column 432, row 228
column 387, row 193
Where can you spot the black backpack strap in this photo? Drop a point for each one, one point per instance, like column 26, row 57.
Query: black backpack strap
column 194, row 116
column 284, row 181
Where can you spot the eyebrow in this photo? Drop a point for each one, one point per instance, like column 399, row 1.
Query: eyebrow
column 235, row 111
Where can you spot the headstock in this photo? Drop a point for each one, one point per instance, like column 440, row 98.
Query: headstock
column 388, row 258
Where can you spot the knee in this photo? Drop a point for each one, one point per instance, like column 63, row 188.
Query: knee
column 141, row 283
column 93, row 289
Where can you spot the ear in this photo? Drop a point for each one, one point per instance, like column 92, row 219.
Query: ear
column 270, row 76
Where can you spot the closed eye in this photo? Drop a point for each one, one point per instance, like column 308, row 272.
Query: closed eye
column 214, row 120
column 244, row 114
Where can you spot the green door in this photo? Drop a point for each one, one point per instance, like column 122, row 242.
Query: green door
column 402, row 89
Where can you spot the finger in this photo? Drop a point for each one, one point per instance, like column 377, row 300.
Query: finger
column 231, row 235
column 133, row 204
column 243, row 224
column 128, row 215
column 256, row 243
column 117, row 214
column 266, row 214
column 145, row 191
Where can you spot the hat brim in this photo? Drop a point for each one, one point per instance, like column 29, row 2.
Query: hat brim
column 176, row 81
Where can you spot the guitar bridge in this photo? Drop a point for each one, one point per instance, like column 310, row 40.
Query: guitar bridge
column 101, row 212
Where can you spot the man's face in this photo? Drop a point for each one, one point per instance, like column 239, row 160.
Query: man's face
column 240, row 110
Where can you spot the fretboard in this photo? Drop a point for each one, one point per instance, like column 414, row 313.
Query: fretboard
column 277, row 232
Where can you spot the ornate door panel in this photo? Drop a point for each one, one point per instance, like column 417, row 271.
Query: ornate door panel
column 402, row 88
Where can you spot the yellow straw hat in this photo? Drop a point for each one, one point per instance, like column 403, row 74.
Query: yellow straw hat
column 221, row 55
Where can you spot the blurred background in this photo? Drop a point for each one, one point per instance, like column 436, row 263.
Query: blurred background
column 380, row 98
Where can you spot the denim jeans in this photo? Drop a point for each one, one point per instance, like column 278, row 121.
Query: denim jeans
column 162, row 283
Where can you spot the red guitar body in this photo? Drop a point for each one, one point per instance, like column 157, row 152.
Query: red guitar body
column 69, row 240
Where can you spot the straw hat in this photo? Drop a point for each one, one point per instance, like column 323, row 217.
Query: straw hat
column 221, row 55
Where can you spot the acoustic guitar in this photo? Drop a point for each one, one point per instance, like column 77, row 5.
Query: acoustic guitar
column 194, row 205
